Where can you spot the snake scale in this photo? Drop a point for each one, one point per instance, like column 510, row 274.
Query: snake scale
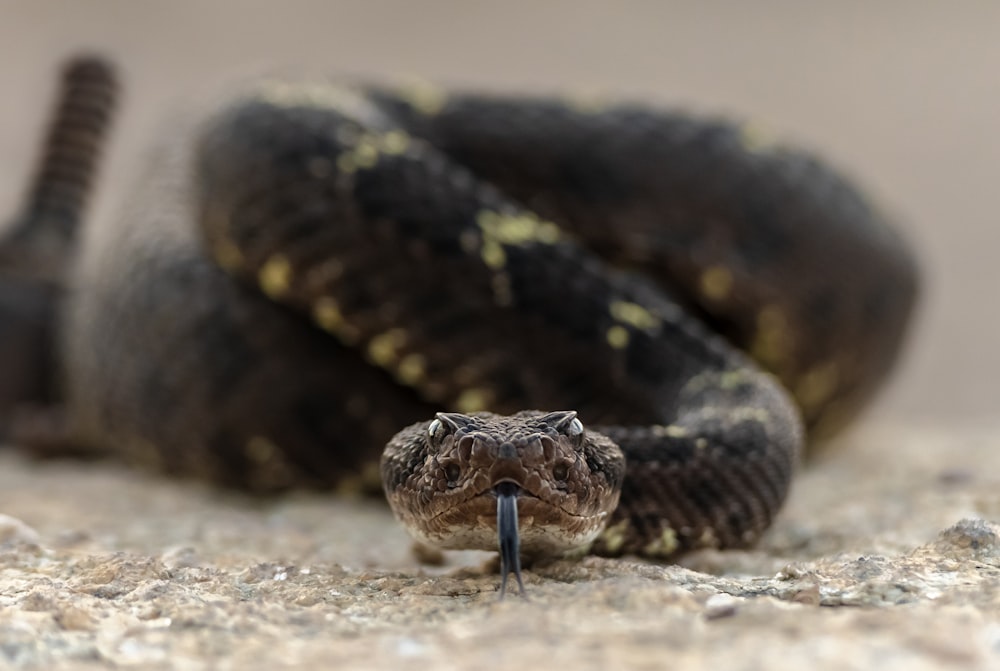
column 658, row 307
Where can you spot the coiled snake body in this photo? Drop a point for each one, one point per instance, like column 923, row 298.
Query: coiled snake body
column 309, row 267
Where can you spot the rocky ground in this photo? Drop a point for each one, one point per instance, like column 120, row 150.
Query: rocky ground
column 884, row 558
column 887, row 555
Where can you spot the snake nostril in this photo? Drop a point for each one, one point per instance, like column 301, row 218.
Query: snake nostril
column 560, row 472
column 452, row 472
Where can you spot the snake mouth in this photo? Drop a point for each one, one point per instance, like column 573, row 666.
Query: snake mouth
column 508, row 517
column 482, row 498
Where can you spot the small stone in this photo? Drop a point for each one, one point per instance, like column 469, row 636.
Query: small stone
column 14, row 532
column 72, row 618
column 181, row 556
column 38, row 601
column 720, row 605
column 428, row 554
column 808, row 596
column 956, row 477
column 970, row 537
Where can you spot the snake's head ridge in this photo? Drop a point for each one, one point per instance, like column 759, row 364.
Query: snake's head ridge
column 442, row 476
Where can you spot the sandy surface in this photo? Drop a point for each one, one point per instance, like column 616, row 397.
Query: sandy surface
column 112, row 568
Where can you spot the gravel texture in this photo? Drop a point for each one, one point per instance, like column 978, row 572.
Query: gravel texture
column 883, row 558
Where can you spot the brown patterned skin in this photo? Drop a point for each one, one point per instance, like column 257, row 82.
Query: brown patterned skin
column 309, row 267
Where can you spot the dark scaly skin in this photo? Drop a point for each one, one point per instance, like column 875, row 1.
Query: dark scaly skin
column 433, row 286
column 768, row 246
column 36, row 246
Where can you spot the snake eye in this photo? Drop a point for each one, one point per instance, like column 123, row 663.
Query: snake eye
column 563, row 421
column 451, row 473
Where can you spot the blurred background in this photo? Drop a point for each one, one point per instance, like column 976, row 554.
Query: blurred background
column 902, row 94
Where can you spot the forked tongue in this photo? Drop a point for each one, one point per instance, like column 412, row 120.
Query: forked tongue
column 510, row 543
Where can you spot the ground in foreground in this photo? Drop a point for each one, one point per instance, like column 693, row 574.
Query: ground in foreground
column 885, row 557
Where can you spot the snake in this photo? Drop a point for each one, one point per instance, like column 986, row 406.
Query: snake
column 603, row 327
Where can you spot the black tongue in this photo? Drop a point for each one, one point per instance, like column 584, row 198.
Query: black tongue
column 510, row 542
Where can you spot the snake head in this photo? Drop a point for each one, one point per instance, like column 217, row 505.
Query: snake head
column 449, row 481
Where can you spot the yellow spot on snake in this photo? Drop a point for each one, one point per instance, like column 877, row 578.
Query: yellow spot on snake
column 708, row 539
column 662, row 547
column 423, row 96
column 773, row 342
column 383, row 349
column 587, row 102
column 519, row 229
column 363, row 156
column 817, row 385
column 326, row 314
column 617, row 337
column 493, row 255
column 275, row 276
column 316, row 94
column 365, row 153
column 473, row 400
column 634, row 315
column 755, row 138
column 411, row 369
column 731, row 379
column 260, row 450
column 715, row 283
column 499, row 230
column 614, row 536
column 670, row 431
column 394, row 142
